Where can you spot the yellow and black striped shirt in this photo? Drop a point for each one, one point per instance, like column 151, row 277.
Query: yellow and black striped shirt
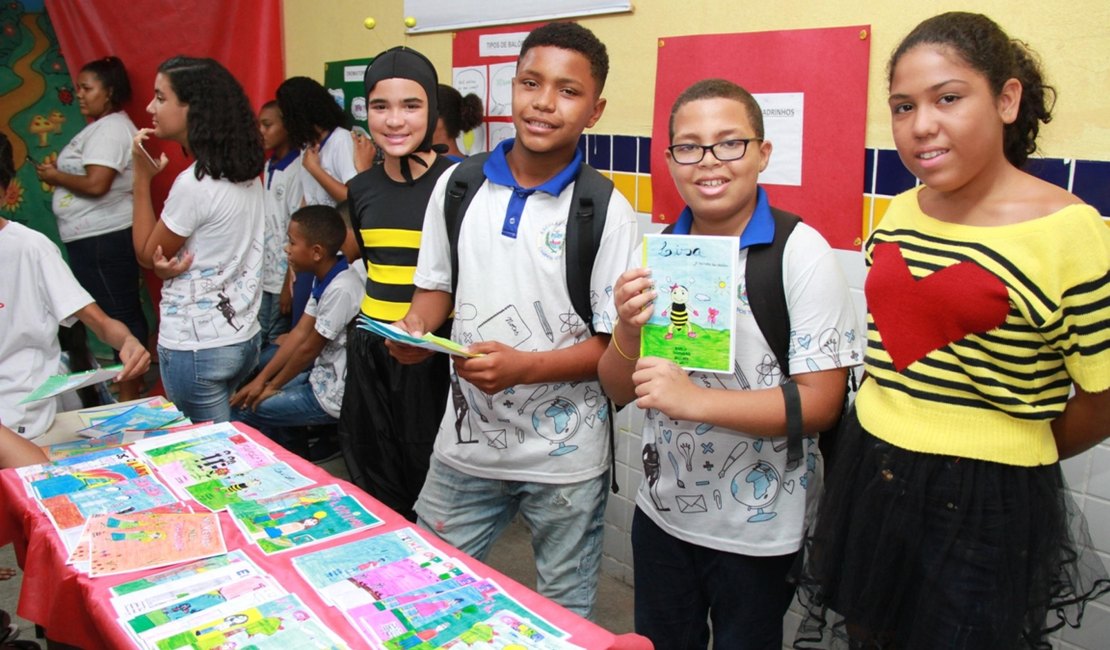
column 975, row 334
column 387, row 217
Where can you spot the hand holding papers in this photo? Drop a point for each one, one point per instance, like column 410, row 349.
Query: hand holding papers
column 428, row 342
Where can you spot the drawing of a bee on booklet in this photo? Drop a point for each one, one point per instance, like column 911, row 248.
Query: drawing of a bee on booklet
column 695, row 310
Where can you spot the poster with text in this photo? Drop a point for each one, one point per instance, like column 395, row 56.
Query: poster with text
column 484, row 63
column 811, row 85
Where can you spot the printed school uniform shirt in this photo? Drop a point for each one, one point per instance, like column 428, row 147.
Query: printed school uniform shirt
column 512, row 289
column 37, row 293
column 333, row 310
column 215, row 303
column 282, row 178
column 107, row 143
column 337, row 157
column 729, row 490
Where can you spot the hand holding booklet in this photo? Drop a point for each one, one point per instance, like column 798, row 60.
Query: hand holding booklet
column 58, row 384
column 429, row 341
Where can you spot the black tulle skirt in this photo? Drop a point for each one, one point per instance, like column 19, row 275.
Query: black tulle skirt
column 914, row 551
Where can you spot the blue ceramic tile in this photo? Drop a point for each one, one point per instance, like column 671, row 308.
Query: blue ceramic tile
column 868, row 169
column 1053, row 170
column 645, row 155
column 624, row 153
column 891, row 176
column 598, row 151
column 1092, row 184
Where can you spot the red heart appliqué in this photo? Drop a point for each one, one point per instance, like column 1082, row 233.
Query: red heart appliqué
column 916, row 316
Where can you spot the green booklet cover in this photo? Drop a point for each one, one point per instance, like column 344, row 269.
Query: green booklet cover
column 694, row 315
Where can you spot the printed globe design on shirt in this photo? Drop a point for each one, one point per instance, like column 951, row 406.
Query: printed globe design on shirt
column 557, row 421
column 757, row 486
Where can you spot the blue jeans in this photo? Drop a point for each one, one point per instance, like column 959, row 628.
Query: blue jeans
column 566, row 522
column 295, row 405
column 679, row 584
column 271, row 321
column 200, row 382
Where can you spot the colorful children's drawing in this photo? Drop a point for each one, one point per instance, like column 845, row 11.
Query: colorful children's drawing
column 300, row 518
column 258, row 483
column 282, row 624
column 133, row 495
column 692, row 323
column 77, row 479
column 260, row 588
column 329, row 566
column 121, row 543
column 207, row 566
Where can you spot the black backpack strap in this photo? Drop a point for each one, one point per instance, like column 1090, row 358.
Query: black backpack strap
column 465, row 180
column 589, row 205
column 767, row 299
column 585, row 224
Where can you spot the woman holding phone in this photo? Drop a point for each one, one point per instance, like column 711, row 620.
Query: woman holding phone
column 92, row 199
column 207, row 246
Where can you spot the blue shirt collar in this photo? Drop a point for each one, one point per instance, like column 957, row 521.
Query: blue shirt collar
column 496, row 169
column 320, row 284
column 279, row 164
column 759, row 230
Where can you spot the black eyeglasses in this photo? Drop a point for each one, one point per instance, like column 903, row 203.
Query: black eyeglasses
column 727, row 151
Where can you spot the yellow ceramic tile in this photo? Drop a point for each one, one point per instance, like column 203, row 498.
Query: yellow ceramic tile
column 874, row 207
column 643, row 196
column 626, row 185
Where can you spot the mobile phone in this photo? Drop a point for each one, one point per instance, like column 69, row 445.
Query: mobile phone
column 32, row 160
column 149, row 157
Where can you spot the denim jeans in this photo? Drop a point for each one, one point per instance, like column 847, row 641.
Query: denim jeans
column 566, row 522
column 200, row 382
column 679, row 584
column 271, row 321
column 295, row 405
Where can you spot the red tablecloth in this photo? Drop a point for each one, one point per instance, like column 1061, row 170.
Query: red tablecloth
column 75, row 608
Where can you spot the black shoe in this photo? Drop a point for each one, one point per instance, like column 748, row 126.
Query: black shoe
column 323, row 450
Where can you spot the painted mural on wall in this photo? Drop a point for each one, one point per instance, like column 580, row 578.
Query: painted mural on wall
column 38, row 111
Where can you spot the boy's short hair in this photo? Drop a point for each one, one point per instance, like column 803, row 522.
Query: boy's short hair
column 344, row 210
column 576, row 38
column 321, row 225
column 7, row 163
column 719, row 89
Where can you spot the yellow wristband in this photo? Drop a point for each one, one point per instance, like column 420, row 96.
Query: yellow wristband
column 616, row 345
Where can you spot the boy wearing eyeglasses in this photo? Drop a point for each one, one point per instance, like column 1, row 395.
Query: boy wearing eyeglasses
column 718, row 540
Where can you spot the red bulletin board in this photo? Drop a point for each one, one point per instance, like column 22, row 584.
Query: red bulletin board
column 829, row 67
column 487, row 73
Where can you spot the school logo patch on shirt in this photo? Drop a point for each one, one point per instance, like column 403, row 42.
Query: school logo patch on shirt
column 552, row 240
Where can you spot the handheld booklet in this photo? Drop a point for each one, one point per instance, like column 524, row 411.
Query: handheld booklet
column 58, row 384
column 695, row 312
column 429, row 341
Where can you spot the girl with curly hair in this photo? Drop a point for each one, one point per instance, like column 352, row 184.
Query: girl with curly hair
column 318, row 125
column 947, row 522
column 207, row 245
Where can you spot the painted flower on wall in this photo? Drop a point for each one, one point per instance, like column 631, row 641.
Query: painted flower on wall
column 13, row 198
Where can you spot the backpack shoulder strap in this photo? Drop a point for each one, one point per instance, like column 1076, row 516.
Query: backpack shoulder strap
column 585, row 224
column 465, row 180
column 766, row 295
column 767, row 299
